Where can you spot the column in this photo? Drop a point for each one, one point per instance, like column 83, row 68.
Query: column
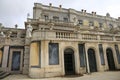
column 5, row 57
column 26, row 55
column 87, row 62
column 26, row 60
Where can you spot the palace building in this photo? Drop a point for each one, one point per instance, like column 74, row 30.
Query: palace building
column 59, row 41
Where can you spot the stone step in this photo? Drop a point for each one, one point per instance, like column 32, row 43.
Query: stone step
column 3, row 74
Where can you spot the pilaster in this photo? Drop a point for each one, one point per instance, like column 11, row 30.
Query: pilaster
column 26, row 56
column 5, row 57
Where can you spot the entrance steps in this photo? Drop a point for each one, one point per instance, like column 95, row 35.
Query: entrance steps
column 3, row 74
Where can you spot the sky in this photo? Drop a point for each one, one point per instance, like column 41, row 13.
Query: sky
column 15, row 11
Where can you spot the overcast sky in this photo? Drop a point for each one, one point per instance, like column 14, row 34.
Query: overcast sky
column 15, row 11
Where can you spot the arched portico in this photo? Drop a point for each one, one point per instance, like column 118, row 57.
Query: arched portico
column 92, row 60
column 69, row 61
column 110, row 59
column 1, row 58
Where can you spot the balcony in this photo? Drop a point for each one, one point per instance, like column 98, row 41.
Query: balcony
column 72, row 36
column 117, row 38
column 106, row 38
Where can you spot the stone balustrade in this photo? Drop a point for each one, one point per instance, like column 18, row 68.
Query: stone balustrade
column 106, row 38
column 73, row 36
column 117, row 38
column 89, row 37
column 67, row 35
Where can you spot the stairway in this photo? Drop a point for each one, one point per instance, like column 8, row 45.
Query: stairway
column 3, row 74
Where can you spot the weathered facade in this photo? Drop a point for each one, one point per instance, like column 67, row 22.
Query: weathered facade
column 12, row 42
column 58, row 42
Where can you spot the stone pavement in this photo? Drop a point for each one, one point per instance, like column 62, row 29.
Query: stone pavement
column 110, row 75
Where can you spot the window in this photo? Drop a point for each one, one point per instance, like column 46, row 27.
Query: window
column 110, row 26
column 22, row 36
column 65, row 19
column 35, row 54
column 119, row 26
column 117, row 53
column 55, row 18
column 13, row 35
column 46, row 17
column 100, row 25
column 101, row 54
column 80, row 22
column 82, row 54
column 53, row 53
column 91, row 23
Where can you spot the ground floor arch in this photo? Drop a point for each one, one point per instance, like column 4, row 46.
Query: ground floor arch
column 110, row 59
column 69, row 62
column 1, row 57
column 92, row 60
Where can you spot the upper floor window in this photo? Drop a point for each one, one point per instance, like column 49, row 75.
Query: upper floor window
column 13, row 35
column 100, row 25
column 119, row 26
column 22, row 35
column 55, row 18
column 110, row 26
column 80, row 22
column 91, row 23
column 65, row 19
column 46, row 17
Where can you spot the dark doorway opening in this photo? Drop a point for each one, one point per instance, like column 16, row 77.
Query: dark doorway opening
column 92, row 60
column 16, row 61
column 110, row 59
column 69, row 62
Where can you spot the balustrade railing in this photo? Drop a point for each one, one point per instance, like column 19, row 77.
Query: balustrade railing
column 106, row 38
column 117, row 38
column 42, row 35
column 66, row 35
column 89, row 37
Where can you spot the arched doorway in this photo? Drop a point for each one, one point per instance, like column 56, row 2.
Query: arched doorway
column 69, row 62
column 110, row 59
column 1, row 58
column 92, row 60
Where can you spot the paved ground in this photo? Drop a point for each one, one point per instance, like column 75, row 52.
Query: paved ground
column 111, row 75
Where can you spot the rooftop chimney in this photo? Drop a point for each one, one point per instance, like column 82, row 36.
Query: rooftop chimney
column 16, row 26
column 93, row 13
column 60, row 6
column 118, row 18
column 50, row 4
column 82, row 10
column 107, row 15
